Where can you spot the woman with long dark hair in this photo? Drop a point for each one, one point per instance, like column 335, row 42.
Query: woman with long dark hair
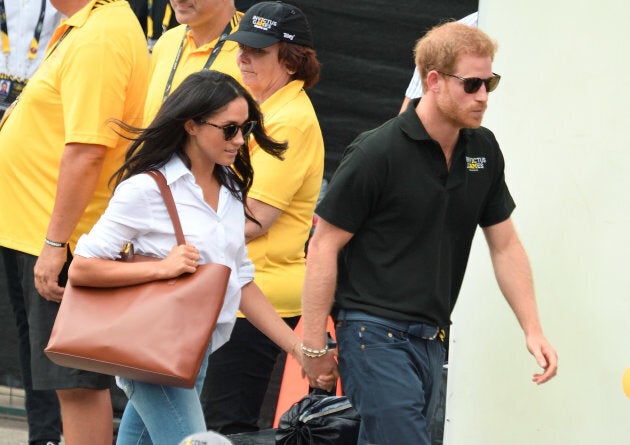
column 199, row 141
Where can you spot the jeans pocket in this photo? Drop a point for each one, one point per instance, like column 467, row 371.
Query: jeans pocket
column 126, row 385
column 366, row 335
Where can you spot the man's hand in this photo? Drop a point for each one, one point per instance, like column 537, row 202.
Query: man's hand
column 545, row 356
column 47, row 270
column 322, row 371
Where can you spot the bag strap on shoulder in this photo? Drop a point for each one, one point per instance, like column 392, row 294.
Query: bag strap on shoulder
column 170, row 204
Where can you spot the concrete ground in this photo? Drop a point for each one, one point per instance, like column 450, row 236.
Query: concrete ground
column 13, row 430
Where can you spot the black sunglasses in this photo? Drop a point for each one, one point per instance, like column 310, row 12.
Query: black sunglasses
column 472, row 84
column 231, row 130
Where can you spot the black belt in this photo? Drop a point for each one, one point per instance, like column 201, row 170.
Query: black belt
column 414, row 329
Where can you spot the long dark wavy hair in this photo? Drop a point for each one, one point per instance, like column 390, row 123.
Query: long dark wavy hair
column 200, row 96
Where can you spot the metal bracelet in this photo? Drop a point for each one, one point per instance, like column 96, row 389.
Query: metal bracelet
column 54, row 243
column 313, row 353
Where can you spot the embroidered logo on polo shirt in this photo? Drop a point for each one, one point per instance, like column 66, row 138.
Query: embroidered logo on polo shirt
column 263, row 23
column 475, row 164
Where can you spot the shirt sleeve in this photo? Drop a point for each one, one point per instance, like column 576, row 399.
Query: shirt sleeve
column 128, row 216
column 245, row 269
column 291, row 171
column 104, row 89
column 353, row 191
column 499, row 205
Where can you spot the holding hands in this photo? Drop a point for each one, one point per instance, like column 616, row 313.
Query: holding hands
column 321, row 370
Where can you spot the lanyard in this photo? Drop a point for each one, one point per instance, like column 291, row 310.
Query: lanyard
column 6, row 45
column 213, row 55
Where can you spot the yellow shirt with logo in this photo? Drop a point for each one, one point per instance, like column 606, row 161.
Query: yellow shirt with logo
column 192, row 60
column 291, row 185
column 98, row 71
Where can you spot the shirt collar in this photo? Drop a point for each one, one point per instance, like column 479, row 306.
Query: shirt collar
column 175, row 169
column 285, row 94
column 80, row 17
column 411, row 124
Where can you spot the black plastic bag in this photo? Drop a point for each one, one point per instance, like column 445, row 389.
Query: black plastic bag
column 319, row 419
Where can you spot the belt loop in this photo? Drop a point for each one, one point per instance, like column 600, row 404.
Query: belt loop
column 340, row 317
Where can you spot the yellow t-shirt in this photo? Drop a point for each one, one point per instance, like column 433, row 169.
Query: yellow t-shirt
column 291, row 185
column 98, row 71
column 192, row 60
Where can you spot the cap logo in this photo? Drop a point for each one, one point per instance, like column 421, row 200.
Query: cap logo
column 288, row 36
column 263, row 23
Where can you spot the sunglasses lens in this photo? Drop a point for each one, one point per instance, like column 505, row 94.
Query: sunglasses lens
column 229, row 131
column 492, row 83
column 472, row 84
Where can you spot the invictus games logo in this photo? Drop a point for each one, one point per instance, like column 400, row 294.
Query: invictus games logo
column 475, row 164
column 263, row 23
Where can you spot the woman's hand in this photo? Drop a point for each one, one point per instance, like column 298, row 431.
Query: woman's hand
column 181, row 259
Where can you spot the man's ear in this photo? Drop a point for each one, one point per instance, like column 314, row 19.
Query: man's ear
column 433, row 80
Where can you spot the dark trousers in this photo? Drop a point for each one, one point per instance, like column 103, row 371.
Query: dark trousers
column 391, row 371
column 237, row 379
column 42, row 407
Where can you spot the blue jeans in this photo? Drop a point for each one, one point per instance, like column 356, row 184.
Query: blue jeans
column 161, row 415
column 391, row 370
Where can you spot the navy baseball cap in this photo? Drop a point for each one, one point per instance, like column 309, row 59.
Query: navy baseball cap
column 267, row 23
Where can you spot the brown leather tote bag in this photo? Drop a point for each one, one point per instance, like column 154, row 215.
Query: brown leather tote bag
column 155, row 332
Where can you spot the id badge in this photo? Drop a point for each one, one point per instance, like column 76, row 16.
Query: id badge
column 5, row 88
column 7, row 112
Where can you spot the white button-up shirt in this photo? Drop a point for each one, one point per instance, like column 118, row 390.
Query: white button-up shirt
column 137, row 213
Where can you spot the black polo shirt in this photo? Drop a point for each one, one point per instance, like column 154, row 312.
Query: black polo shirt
column 413, row 220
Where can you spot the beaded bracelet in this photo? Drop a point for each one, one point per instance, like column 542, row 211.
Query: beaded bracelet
column 313, row 353
column 54, row 243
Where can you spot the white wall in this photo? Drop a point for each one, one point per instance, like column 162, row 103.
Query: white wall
column 562, row 117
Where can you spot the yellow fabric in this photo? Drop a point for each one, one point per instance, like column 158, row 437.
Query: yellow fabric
column 191, row 61
column 99, row 71
column 291, row 185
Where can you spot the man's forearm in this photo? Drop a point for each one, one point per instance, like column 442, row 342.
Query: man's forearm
column 317, row 295
column 79, row 172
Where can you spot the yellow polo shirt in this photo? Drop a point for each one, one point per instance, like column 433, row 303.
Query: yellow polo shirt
column 192, row 60
column 98, row 71
column 291, row 185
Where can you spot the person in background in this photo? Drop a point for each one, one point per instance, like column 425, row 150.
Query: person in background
column 155, row 16
column 414, row 89
column 277, row 63
column 56, row 155
column 198, row 140
column 393, row 239
column 26, row 30
column 198, row 43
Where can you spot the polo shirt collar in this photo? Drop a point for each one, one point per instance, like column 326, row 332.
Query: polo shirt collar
column 285, row 94
column 79, row 18
column 411, row 124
